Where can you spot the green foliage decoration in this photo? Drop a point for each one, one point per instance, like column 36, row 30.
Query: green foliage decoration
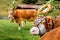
column 52, row 2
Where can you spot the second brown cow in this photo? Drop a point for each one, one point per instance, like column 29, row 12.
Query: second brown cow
column 19, row 14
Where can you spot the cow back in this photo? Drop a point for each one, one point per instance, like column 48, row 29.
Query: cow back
column 25, row 13
column 52, row 35
column 56, row 22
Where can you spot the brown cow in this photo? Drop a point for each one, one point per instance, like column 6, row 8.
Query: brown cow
column 45, row 25
column 52, row 35
column 19, row 14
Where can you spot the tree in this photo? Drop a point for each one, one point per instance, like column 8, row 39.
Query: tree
column 13, row 4
column 29, row 1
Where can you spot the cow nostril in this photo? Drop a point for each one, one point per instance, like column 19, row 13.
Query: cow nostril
column 33, row 30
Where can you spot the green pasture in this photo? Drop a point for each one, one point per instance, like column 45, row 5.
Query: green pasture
column 9, row 31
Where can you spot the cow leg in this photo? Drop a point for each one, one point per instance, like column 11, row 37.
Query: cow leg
column 18, row 21
column 23, row 23
column 19, row 28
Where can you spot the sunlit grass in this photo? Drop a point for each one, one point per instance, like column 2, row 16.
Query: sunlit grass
column 9, row 31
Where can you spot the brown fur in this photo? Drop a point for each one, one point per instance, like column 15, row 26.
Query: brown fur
column 23, row 14
column 52, row 35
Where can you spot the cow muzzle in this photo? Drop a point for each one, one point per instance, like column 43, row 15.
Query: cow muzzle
column 11, row 18
column 34, row 30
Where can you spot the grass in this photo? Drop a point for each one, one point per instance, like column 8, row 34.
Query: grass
column 9, row 31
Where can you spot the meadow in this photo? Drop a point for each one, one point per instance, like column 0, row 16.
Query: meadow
column 9, row 31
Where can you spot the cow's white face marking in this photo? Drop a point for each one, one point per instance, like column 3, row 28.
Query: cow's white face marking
column 9, row 13
column 35, row 30
column 42, row 28
column 9, row 16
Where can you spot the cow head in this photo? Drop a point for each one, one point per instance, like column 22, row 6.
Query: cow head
column 10, row 16
column 43, row 26
column 40, row 29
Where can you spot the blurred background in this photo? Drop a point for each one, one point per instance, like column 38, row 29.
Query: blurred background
column 4, row 4
column 9, row 31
